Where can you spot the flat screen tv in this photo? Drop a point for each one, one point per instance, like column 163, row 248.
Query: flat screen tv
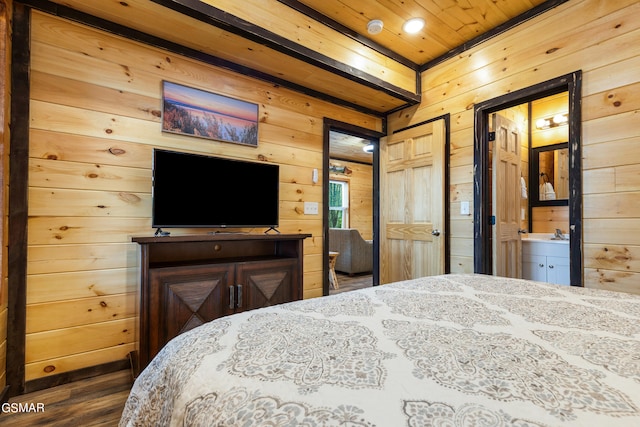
column 193, row 190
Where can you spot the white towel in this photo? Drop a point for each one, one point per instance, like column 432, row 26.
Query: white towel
column 547, row 192
column 523, row 188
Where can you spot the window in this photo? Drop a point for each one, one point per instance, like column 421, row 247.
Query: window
column 338, row 204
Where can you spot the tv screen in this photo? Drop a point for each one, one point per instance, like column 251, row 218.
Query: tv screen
column 192, row 190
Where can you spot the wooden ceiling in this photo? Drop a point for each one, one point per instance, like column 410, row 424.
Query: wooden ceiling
column 448, row 23
column 343, row 146
column 318, row 47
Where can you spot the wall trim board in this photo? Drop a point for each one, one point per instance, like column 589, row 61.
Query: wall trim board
column 512, row 23
column 18, row 199
column 129, row 33
column 482, row 250
column 78, row 374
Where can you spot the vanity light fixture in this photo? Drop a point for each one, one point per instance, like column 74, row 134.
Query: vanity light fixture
column 551, row 122
column 368, row 148
column 413, row 25
column 559, row 119
column 543, row 123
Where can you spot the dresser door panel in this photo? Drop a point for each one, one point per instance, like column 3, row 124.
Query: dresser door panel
column 185, row 297
column 263, row 284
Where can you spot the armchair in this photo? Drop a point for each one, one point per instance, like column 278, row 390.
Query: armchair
column 356, row 254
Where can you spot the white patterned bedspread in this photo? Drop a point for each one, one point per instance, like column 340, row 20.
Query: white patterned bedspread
column 453, row 350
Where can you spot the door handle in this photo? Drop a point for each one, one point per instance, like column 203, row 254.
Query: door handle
column 435, row 232
column 522, row 231
column 232, row 301
column 239, row 287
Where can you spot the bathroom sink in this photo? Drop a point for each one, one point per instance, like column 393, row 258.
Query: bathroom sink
column 545, row 237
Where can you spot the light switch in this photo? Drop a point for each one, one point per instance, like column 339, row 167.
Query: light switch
column 311, row 208
column 464, row 207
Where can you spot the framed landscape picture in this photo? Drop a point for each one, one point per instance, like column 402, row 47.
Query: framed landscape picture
column 196, row 112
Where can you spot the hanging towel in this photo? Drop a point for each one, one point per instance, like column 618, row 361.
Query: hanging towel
column 523, row 188
column 549, row 193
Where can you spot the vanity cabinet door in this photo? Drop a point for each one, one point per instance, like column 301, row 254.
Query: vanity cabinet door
column 534, row 267
column 546, row 261
column 558, row 270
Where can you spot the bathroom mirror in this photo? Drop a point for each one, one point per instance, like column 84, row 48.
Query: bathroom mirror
column 550, row 169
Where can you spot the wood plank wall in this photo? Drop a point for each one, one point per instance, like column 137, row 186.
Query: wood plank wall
column 95, row 118
column 600, row 38
column 360, row 195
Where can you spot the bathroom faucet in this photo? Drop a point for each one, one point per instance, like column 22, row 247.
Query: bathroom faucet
column 558, row 235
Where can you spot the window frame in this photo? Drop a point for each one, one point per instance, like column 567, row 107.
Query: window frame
column 345, row 202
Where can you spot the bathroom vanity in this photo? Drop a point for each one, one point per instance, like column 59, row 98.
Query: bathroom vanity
column 545, row 259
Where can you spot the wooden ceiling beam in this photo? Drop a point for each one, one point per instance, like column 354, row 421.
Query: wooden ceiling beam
column 324, row 19
column 219, row 18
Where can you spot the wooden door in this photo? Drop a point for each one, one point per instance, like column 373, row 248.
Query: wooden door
column 507, row 245
column 412, row 204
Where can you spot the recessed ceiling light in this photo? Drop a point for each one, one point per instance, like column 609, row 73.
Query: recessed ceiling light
column 413, row 25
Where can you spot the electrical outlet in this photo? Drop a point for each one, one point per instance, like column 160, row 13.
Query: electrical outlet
column 311, row 208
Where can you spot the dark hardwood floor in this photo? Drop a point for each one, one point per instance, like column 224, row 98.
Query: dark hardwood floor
column 96, row 401
column 350, row 283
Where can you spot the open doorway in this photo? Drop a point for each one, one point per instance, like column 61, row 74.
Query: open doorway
column 350, row 188
column 497, row 230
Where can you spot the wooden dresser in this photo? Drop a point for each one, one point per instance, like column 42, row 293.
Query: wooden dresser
column 189, row 280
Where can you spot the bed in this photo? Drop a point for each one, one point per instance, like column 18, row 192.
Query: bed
column 451, row 350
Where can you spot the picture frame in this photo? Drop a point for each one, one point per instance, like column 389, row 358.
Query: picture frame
column 196, row 112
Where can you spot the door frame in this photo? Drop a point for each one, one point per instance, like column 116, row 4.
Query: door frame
column 571, row 83
column 330, row 125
